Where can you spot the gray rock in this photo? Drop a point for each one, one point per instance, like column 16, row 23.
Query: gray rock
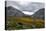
column 40, row 13
column 11, row 11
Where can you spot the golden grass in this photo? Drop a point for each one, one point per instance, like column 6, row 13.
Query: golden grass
column 25, row 20
column 39, row 23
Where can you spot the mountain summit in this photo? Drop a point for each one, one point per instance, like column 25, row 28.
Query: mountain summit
column 39, row 13
column 11, row 11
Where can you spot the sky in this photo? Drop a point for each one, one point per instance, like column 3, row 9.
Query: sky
column 27, row 0
column 27, row 7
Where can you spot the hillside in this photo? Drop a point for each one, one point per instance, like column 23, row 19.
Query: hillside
column 40, row 13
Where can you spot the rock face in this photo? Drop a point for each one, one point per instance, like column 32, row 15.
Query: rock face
column 40, row 13
column 13, row 11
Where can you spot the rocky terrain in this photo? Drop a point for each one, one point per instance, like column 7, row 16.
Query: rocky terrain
column 40, row 13
column 11, row 11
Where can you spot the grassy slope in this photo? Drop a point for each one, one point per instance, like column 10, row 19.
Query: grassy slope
column 27, row 22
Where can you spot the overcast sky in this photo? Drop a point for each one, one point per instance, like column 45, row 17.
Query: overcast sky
column 26, row 7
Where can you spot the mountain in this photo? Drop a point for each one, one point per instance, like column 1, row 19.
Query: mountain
column 40, row 13
column 11, row 11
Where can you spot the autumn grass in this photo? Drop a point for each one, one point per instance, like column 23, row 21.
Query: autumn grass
column 27, row 22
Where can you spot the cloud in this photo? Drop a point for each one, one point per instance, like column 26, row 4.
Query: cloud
column 28, row 13
column 25, row 6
